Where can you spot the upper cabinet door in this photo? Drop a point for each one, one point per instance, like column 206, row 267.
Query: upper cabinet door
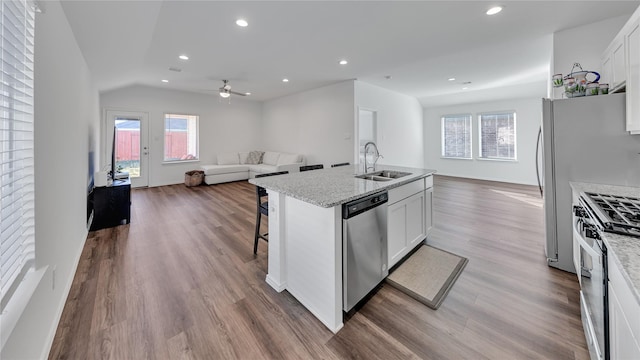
column 619, row 76
column 632, row 40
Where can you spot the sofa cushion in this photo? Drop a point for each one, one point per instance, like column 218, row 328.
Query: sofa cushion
column 223, row 169
column 228, row 159
column 270, row 158
column 288, row 159
column 263, row 168
column 255, row 157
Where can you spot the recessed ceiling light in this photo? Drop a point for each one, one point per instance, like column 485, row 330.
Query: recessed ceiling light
column 494, row 10
column 247, row 93
column 285, row 80
column 465, row 88
column 451, row 79
column 165, row 81
column 183, row 57
column 343, row 62
column 242, row 22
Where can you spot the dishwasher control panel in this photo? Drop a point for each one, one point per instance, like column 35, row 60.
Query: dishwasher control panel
column 359, row 206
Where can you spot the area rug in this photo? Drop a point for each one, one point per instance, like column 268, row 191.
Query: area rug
column 428, row 275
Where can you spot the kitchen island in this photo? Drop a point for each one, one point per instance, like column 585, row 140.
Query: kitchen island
column 305, row 229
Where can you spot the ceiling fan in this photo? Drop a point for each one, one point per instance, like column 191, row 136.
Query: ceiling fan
column 225, row 90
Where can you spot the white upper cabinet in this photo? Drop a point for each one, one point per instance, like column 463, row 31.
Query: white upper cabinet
column 613, row 65
column 621, row 68
column 632, row 40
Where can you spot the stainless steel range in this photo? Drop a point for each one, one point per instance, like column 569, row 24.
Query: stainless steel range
column 595, row 215
column 615, row 214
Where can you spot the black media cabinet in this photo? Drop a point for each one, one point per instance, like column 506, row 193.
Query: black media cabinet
column 111, row 205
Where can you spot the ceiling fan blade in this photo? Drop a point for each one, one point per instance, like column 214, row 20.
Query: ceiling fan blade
column 237, row 93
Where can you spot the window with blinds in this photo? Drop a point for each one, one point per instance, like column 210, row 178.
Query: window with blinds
column 498, row 136
column 456, row 136
column 17, row 248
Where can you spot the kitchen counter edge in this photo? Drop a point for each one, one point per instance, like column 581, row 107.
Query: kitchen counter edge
column 327, row 186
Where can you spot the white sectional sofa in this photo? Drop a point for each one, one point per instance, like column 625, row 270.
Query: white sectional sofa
column 241, row 166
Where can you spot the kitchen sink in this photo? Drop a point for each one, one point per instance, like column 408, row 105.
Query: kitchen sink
column 393, row 174
column 373, row 177
column 385, row 175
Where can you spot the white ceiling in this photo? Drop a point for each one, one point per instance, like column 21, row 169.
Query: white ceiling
column 419, row 43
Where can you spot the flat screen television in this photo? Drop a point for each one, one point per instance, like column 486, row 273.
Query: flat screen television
column 113, row 154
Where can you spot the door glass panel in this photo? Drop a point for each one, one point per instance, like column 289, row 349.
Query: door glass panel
column 128, row 145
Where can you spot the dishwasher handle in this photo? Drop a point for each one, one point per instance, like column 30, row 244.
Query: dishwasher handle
column 357, row 207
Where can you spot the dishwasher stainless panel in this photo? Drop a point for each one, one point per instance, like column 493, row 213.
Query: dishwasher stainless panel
column 364, row 242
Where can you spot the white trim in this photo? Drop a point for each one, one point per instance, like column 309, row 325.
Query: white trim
column 173, row 162
column 455, row 158
column 63, row 301
column 497, row 159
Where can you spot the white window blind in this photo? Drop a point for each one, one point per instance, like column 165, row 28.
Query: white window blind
column 17, row 248
column 456, row 136
column 498, row 136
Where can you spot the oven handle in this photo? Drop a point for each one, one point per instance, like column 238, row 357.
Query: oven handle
column 583, row 244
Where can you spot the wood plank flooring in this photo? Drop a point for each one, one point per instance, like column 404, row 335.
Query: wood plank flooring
column 181, row 282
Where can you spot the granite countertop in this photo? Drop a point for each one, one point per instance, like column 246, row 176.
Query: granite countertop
column 335, row 186
column 624, row 250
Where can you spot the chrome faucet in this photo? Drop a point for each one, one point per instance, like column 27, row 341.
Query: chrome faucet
column 378, row 156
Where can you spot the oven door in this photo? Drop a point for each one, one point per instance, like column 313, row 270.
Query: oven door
column 592, row 272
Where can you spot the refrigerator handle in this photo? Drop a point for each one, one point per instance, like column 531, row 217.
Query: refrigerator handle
column 538, row 161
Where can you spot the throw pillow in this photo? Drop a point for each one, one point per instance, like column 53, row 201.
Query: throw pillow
column 255, row 157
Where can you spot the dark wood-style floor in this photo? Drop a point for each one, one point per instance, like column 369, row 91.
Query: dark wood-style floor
column 181, row 282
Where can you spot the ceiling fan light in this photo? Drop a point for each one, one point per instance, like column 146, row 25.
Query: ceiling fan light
column 224, row 94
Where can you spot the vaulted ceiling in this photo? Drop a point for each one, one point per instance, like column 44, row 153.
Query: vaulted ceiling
column 419, row 44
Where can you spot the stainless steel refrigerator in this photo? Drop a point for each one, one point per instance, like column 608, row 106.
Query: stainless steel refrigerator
column 582, row 139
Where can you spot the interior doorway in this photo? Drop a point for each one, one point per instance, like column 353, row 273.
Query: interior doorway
column 366, row 130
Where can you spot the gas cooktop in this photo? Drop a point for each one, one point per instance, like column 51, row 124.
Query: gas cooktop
column 616, row 214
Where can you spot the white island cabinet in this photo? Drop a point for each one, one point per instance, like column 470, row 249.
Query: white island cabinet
column 409, row 217
column 305, row 229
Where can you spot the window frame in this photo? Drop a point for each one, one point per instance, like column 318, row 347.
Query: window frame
column 515, row 136
column 164, row 140
column 469, row 118
column 17, row 157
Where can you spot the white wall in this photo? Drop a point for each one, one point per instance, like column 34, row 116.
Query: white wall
column 585, row 45
column 522, row 171
column 400, row 127
column 66, row 113
column 318, row 123
column 223, row 127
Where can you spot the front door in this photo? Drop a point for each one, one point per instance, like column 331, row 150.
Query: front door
column 131, row 144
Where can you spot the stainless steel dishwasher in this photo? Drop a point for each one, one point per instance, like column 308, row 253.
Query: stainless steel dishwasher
column 364, row 247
